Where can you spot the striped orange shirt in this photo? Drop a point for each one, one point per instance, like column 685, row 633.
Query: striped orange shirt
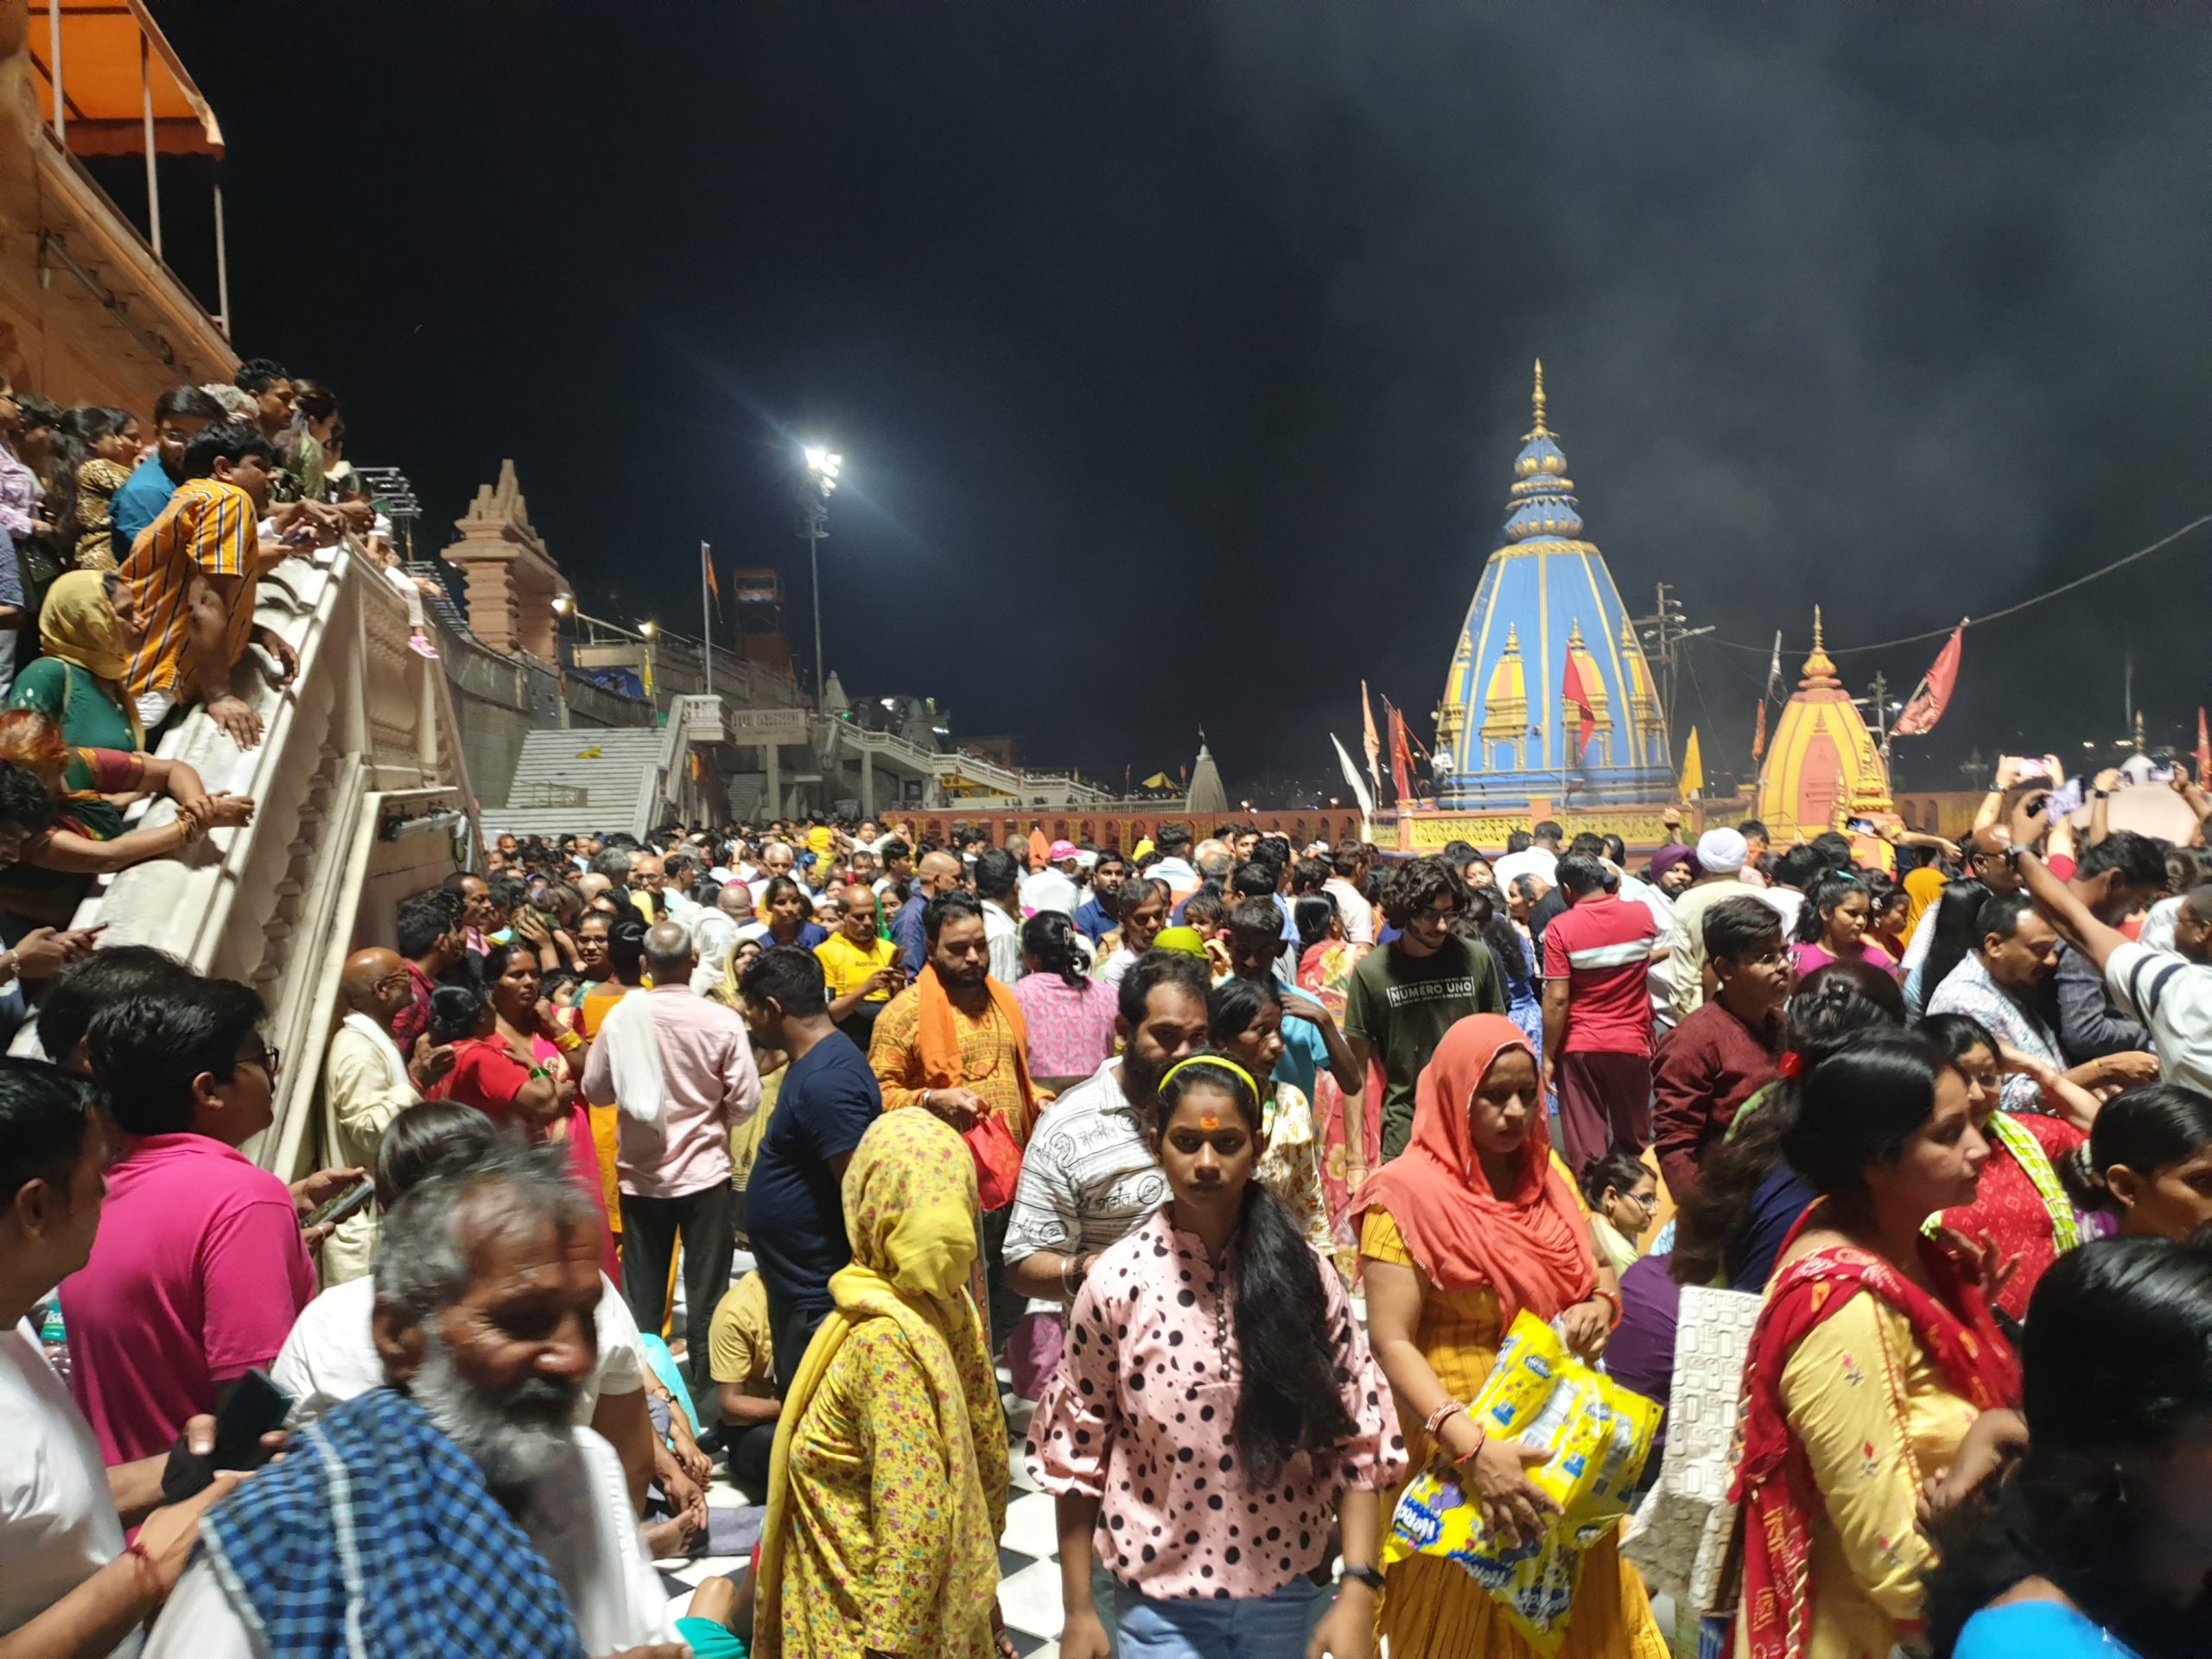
column 208, row 528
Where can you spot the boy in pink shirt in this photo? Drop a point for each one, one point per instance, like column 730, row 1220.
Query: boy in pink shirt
column 199, row 1269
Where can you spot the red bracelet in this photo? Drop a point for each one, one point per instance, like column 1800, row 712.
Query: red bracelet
column 153, row 1574
column 1438, row 1417
column 1612, row 1301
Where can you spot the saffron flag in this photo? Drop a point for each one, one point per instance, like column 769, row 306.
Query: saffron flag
column 1368, row 741
column 1935, row 694
column 2203, row 748
column 1759, row 736
column 1400, row 758
column 706, row 561
column 1692, row 768
column 1570, row 690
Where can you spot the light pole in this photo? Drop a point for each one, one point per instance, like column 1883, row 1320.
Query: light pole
column 823, row 466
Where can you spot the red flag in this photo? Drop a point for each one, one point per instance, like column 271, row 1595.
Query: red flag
column 2203, row 748
column 1401, row 759
column 1570, row 691
column 1935, row 694
column 1759, row 737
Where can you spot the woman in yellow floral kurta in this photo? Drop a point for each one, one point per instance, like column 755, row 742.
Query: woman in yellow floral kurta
column 888, row 1491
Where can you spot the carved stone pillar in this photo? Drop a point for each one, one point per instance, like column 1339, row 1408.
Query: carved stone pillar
column 512, row 579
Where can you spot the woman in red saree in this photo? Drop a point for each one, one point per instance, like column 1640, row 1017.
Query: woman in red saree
column 1874, row 1352
column 507, row 1064
column 2023, row 1210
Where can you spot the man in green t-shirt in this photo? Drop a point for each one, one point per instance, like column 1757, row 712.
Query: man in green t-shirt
column 1405, row 995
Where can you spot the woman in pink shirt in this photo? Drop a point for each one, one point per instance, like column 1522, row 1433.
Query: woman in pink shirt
column 1832, row 926
column 1215, row 1415
column 1070, row 1014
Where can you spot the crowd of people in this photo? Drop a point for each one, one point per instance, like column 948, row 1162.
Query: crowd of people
column 132, row 553
column 1238, row 1159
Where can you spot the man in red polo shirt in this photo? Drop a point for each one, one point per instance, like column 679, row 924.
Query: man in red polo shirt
column 199, row 1269
column 1598, row 955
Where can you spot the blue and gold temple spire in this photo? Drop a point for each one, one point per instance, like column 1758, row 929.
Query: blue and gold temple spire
column 1545, row 593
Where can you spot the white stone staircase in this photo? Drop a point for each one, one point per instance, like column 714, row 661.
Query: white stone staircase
column 600, row 780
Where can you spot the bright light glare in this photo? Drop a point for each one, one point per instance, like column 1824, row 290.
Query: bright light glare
column 561, row 604
column 825, row 464
column 648, row 629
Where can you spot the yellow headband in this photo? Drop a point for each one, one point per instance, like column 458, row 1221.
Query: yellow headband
column 1222, row 1062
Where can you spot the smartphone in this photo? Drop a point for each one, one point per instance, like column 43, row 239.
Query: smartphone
column 345, row 1203
column 252, row 1407
column 2033, row 771
column 1859, row 826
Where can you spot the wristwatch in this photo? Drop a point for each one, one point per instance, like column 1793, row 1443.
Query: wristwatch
column 1366, row 1575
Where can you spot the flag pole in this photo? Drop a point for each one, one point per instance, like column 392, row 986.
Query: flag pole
column 706, row 618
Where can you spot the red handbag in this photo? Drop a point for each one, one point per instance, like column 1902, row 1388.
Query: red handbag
column 998, row 1162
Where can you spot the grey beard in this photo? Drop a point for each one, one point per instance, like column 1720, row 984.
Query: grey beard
column 512, row 1451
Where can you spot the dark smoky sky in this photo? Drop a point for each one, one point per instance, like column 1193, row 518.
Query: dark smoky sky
column 1179, row 354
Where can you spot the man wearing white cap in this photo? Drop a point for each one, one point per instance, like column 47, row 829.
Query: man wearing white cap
column 1054, row 887
column 1721, row 856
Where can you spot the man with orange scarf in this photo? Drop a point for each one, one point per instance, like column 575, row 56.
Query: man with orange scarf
column 954, row 1043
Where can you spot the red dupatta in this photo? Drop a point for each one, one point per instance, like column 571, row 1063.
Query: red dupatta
column 1774, row 1477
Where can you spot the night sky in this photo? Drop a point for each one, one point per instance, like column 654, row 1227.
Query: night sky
column 1179, row 354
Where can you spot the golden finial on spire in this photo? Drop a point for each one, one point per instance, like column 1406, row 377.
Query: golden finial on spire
column 1819, row 665
column 1541, row 431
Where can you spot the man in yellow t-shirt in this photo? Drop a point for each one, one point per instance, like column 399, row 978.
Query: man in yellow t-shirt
column 741, row 1357
column 860, row 965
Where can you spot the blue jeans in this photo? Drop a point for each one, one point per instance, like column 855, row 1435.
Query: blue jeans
column 1262, row 1627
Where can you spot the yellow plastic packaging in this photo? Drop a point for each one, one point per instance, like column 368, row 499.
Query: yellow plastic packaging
column 1598, row 1434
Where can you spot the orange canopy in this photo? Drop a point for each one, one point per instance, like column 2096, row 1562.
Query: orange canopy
column 112, row 53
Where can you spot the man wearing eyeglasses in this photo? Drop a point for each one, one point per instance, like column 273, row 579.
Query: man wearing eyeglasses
column 367, row 1081
column 199, row 1266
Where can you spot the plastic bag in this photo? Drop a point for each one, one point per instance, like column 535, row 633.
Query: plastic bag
column 998, row 1162
column 1599, row 1433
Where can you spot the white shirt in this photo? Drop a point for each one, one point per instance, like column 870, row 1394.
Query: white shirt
column 1533, row 861
column 1088, row 1176
column 1357, row 914
column 1662, row 975
column 1002, row 934
column 2173, row 995
column 1050, row 888
column 577, row 1516
column 2156, row 933
column 331, row 1355
column 58, row 1524
column 1118, row 967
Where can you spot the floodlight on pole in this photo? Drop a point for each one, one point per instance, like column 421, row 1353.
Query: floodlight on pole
column 823, row 465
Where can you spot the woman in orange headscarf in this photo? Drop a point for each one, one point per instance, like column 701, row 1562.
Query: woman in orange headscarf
column 1472, row 1223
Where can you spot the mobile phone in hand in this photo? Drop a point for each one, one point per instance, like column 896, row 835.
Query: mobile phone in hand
column 345, row 1203
column 252, row 1407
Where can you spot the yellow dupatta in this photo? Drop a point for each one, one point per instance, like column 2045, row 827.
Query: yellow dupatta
column 77, row 624
column 912, row 1219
